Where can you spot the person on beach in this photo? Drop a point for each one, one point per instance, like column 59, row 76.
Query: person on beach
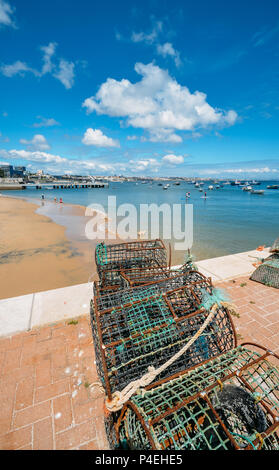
column 43, row 196
column 55, row 199
column 60, row 200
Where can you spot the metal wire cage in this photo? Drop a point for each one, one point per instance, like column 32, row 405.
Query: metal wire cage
column 268, row 272
column 108, row 298
column 229, row 402
column 110, row 258
column 150, row 329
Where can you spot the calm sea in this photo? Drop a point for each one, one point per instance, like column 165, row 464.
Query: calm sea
column 228, row 221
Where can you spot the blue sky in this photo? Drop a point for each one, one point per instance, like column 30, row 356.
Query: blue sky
column 182, row 88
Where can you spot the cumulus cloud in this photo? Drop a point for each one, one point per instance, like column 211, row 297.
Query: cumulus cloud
column 97, row 138
column 45, row 122
column 56, row 163
column 17, row 68
column 148, row 38
column 166, row 50
column 157, row 103
column 6, row 12
column 64, row 71
column 144, row 164
column 173, row 159
column 49, row 52
column 38, row 142
column 33, row 156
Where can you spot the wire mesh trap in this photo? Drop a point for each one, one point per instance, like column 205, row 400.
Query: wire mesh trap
column 268, row 272
column 150, row 329
column 107, row 298
column 127, row 255
column 229, row 402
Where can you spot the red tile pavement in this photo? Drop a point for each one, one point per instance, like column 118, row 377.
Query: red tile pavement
column 257, row 308
column 47, row 401
column 46, row 373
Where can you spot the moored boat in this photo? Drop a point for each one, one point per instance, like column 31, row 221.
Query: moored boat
column 257, row 191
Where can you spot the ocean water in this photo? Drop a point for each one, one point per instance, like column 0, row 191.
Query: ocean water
column 228, row 221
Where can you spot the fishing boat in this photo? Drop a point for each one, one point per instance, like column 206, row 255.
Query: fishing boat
column 255, row 183
column 166, row 186
column 272, row 186
column 257, row 191
column 177, row 183
column 210, row 187
column 247, row 188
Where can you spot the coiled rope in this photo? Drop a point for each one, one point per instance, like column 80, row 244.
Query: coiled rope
column 120, row 398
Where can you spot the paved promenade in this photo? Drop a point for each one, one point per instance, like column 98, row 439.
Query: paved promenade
column 48, row 381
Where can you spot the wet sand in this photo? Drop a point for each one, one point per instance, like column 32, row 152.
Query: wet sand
column 35, row 252
column 43, row 246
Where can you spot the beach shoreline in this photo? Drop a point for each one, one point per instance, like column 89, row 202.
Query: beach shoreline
column 37, row 252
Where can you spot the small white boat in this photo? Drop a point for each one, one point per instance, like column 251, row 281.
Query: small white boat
column 247, row 188
column 210, row 187
column 257, row 191
column 166, row 186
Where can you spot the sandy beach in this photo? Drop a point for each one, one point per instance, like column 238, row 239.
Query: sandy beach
column 35, row 253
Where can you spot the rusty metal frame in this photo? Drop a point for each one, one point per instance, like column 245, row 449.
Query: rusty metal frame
column 204, row 395
column 98, row 314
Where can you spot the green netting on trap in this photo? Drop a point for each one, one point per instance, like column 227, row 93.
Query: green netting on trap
column 230, row 402
column 149, row 331
column 106, row 299
column 268, row 272
column 128, row 255
column 148, row 275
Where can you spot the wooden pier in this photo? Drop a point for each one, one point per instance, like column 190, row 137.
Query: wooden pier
column 56, row 185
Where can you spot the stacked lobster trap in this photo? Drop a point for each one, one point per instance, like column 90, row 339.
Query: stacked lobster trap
column 164, row 341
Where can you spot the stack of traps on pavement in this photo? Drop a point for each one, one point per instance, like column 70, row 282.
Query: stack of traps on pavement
column 151, row 327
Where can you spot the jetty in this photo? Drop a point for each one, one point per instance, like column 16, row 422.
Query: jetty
column 54, row 185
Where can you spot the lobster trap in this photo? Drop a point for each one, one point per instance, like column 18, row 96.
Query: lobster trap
column 150, row 328
column 229, row 402
column 106, row 298
column 268, row 272
column 111, row 258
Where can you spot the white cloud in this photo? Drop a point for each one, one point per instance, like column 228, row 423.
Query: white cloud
column 148, row 38
column 97, row 138
column 173, row 159
column 49, row 52
column 157, row 103
column 166, row 50
column 45, row 122
column 6, row 12
column 17, row 68
column 63, row 71
column 66, row 73
column 164, row 135
column 56, row 163
column 144, row 164
column 33, row 156
column 38, row 142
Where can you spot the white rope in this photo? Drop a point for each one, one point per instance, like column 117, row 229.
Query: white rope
column 120, row 398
